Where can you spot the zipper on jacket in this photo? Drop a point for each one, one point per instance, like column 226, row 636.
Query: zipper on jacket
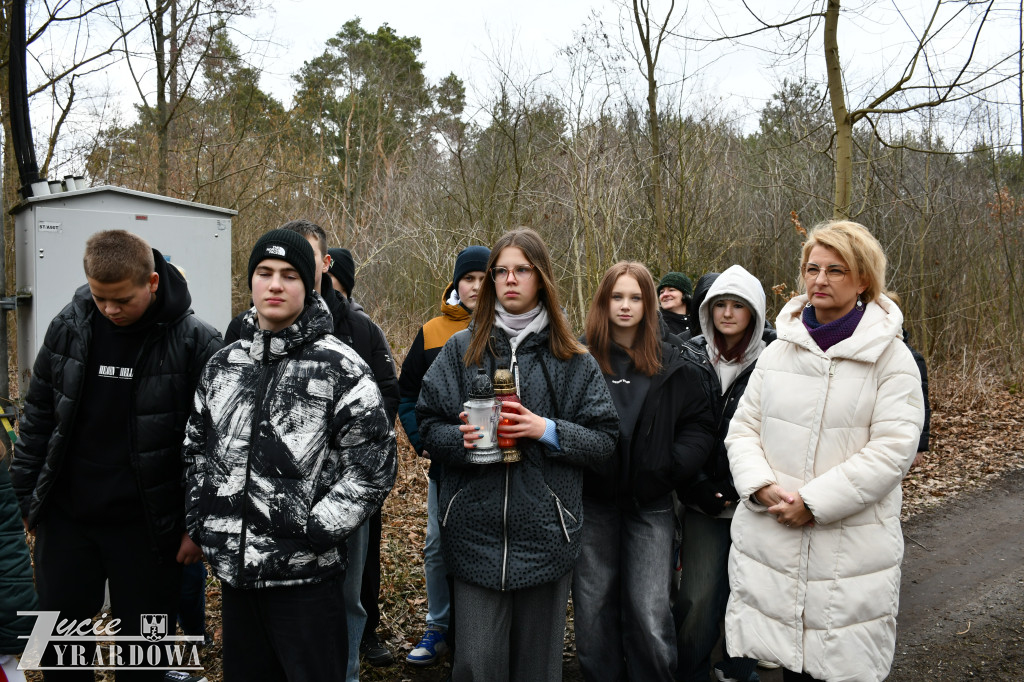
column 257, row 414
column 133, row 451
column 504, row 529
column 832, row 368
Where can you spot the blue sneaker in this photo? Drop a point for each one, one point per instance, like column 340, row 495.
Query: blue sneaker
column 431, row 647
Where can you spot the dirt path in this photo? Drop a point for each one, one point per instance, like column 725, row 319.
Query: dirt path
column 962, row 595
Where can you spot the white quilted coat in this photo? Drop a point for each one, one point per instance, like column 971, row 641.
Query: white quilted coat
column 841, row 427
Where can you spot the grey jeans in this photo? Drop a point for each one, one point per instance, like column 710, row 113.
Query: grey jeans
column 620, row 593
column 514, row 636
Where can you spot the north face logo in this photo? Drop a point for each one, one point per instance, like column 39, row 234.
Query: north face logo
column 275, row 250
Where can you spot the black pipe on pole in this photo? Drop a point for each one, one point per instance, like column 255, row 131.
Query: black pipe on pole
column 21, row 126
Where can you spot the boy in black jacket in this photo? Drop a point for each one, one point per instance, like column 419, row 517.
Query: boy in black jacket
column 98, row 469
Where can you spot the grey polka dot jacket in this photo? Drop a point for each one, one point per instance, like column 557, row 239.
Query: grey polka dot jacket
column 508, row 527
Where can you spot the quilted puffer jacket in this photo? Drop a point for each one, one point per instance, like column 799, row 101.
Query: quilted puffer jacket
column 166, row 373
column 288, row 450
column 17, row 592
column 840, row 427
column 511, row 526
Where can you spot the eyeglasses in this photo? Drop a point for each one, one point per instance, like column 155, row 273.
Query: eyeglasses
column 833, row 273
column 522, row 272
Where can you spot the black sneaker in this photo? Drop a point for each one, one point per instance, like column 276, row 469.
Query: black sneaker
column 375, row 653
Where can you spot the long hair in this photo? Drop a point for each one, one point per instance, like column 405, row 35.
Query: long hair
column 562, row 343
column 857, row 246
column 646, row 350
column 736, row 353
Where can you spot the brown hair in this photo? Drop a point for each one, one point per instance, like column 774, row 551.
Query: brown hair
column 855, row 245
column 737, row 352
column 115, row 255
column 646, row 350
column 560, row 338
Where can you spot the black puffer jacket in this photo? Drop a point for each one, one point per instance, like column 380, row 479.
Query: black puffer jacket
column 354, row 327
column 289, row 450
column 716, row 469
column 166, row 373
column 17, row 593
column 507, row 527
column 670, row 442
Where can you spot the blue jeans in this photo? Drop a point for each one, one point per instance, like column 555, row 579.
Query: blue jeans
column 438, row 599
column 355, row 614
column 703, row 595
column 620, row 591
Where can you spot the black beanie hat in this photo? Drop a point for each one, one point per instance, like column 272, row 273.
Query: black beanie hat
column 343, row 266
column 288, row 246
column 470, row 259
column 677, row 280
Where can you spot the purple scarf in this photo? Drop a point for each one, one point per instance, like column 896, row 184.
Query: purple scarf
column 828, row 335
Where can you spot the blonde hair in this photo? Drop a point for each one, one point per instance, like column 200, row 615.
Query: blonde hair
column 857, row 247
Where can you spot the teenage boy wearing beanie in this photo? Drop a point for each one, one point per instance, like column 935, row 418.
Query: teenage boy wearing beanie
column 288, row 450
column 457, row 305
column 97, row 468
column 674, row 292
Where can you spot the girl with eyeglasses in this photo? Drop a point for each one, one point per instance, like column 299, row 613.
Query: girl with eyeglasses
column 623, row 617
column 823, row 435
column 511, row 532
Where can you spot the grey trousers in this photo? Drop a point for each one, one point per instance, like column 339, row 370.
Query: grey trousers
column 514, row 636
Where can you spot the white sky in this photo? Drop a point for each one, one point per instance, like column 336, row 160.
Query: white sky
column 465, row 37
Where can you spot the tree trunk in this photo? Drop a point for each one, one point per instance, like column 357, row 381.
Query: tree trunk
column 840, row 115
column 160, row 40
column 643, row 26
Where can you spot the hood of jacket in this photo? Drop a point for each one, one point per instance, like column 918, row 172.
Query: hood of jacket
column 453, row 311
column 881, row 322
column 736, row 284
column 314, row 322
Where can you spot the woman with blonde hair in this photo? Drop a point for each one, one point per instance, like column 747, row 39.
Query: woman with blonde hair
column 510, row 532
column 819, row 444
column 623, row 616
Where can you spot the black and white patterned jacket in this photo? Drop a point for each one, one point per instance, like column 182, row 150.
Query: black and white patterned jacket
column 288, row 450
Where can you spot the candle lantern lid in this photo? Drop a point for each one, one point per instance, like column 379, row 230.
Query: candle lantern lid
column 504, row 382
column 480, row 388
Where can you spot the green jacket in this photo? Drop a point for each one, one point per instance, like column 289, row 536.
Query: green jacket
column 17, row 593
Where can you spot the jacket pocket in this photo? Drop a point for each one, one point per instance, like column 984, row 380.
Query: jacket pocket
column 448, row 509
column 564, row 515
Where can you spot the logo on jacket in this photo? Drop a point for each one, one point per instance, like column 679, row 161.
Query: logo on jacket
column 154, row 626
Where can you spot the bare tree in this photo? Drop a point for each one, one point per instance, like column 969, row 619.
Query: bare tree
column 944, row 63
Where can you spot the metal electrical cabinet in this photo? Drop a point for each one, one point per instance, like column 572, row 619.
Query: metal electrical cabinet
column 50, row 235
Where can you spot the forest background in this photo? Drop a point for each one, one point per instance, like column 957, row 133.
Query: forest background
column 906, row 116
column 617, row 149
